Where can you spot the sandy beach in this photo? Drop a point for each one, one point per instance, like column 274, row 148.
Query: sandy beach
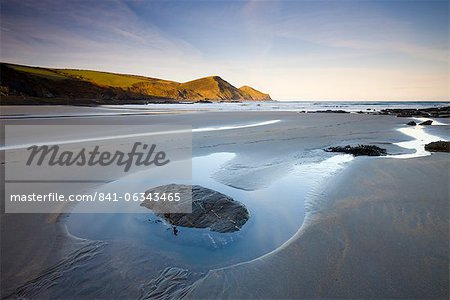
column 383, row 233
column 375, row 227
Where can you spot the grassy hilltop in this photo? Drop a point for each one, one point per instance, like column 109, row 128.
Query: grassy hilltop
column 32, row 85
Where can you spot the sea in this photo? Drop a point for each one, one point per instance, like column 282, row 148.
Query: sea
column 307, row 106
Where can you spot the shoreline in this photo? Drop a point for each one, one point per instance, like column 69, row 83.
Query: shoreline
column 439, row 108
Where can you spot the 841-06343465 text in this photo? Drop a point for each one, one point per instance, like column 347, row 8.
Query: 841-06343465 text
column 97, row 196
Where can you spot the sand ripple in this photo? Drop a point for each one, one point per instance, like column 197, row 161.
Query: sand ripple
column 52, row 275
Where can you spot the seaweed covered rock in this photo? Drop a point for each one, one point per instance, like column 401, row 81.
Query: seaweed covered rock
column 411, row 123
column 431, row 112
column 210, row 209
column 440, row 146
column 368, row 150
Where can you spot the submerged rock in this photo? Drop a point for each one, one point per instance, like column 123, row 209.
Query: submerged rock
column 369, row 150
column 411, row 123
column 440, row 146
column 210, row 209
column 428, row 122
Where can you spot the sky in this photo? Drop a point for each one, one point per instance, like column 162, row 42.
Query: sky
column 294, row 50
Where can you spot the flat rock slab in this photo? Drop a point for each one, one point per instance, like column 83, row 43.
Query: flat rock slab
column 210, row 209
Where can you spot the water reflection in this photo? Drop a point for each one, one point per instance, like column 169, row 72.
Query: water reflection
column 420, row 139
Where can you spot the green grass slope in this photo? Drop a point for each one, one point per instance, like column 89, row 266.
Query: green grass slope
column 213, row 88
column 18, row 81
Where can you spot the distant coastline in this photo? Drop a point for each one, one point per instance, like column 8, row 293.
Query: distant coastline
column 26, row 85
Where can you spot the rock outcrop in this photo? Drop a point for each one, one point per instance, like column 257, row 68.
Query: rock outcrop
column 210, row 209
column 426, row 123
column 368, row 150
column 431, row 112
column 440, row 146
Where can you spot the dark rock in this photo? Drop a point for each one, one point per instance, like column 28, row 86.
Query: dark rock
column 428, row 122
column 404, row 115
column 432, row 112
column 440, row 146
column 210, row 209
column 329, row 111
column 411, row 123
column 368, row 150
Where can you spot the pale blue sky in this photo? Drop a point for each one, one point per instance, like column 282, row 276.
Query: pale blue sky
column 295, row 50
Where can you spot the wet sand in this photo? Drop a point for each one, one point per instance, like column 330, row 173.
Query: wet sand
column 379, row 229
column 382, row 233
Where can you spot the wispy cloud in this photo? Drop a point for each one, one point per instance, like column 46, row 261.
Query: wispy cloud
column 344, row 26
column 71, row 34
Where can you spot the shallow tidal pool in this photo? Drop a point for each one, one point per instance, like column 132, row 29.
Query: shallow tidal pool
column 276, row 214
